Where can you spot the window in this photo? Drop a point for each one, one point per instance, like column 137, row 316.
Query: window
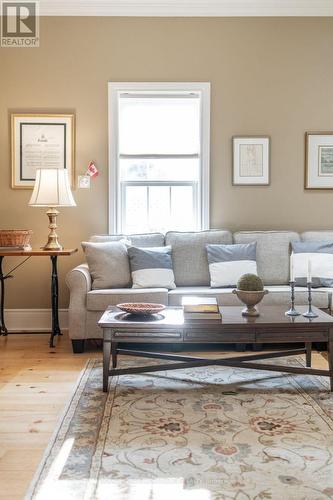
column 159, row 156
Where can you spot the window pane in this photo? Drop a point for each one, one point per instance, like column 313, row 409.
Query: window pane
column 160, row 170
column 136, row 209
column 159, row 125
column 159, row 208
column 182, row 208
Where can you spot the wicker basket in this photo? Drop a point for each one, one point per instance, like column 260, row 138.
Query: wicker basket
column 15, row 237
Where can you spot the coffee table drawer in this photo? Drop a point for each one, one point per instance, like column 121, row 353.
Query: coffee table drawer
column 273, row 334
column 151, row 336
column 226, row 335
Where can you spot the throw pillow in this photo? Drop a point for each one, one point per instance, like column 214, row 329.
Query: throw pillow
column 151, row 267
column 227, row 263
column 320, row 253
column 108, row 264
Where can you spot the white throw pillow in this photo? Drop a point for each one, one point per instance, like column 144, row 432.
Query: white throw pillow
column 151, row 267
column 320, row 253
column 227, row 263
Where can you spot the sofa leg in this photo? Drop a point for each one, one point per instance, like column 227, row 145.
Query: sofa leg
column 240, row 347
column 78, row 346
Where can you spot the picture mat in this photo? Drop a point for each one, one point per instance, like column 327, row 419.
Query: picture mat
column 316, row 178
column 238, row 173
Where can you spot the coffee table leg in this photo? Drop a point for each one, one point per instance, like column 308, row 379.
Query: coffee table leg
column 114, row 354
column 106, row 358
column 330, row 357
column 308, row 347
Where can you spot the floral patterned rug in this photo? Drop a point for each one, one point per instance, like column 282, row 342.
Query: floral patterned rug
column 197, row 434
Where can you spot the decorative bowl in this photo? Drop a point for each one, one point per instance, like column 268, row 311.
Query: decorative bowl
column 250, row 299
column 141, row 308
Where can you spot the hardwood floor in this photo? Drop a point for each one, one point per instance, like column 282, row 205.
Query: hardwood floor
column 35, row 384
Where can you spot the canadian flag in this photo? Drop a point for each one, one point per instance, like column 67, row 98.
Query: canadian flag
column 92, row 169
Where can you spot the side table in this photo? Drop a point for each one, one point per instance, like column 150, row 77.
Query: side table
column 54, row 282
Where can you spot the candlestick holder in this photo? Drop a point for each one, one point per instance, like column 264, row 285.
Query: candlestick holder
column 292, row 311
column 309, row 313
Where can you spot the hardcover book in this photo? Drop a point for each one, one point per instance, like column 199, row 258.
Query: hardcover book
column 197, row 304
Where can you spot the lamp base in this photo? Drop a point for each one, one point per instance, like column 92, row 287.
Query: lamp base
column 52, row 240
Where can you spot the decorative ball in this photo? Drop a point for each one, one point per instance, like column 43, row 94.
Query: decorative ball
column 250, row 282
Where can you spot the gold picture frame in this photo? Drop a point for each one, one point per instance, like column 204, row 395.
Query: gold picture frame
column 41, row 140
column 318, row 166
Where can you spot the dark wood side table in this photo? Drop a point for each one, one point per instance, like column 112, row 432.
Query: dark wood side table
column 272, row 326
column 54, row 282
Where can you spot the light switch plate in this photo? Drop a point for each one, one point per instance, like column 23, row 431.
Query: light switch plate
column 84, row 181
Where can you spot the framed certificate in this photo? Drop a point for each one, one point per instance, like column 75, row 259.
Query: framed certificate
column 40, row 141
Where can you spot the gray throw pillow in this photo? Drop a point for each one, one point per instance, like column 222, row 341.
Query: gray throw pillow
column 151, row 267
column 227, row 263
column 108, row 264
column 320, row 253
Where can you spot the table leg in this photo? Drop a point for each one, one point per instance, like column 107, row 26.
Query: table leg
column 54, row 300
column 308, row 347
column 114, row 354
column 330, row 357
column 3, row 329
column 106, row 358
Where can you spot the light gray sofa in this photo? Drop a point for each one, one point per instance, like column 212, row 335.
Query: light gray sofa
column 191, row 275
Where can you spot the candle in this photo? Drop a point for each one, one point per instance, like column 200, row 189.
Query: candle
column 309, row 272
column 292, row 274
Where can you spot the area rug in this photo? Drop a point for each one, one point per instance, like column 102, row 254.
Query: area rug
column 203, row 433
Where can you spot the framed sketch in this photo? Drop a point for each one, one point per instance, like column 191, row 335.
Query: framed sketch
column 251, row 160
column 319, row 160
column 40, row 141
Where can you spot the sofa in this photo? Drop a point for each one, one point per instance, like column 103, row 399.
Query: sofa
column 191, row 275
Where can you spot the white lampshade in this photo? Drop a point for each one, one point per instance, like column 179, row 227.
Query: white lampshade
column 52, row 189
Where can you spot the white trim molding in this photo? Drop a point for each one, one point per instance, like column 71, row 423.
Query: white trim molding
column 115, row 194
column 187, row 8
column 33, row 320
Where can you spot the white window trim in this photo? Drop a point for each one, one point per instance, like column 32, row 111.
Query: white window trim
column 114, row 186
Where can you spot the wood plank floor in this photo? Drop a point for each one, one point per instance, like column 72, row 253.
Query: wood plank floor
column 35, row 384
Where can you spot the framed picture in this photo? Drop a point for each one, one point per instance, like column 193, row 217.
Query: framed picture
column 250, row 160
column 318, row 160
column 40, row 141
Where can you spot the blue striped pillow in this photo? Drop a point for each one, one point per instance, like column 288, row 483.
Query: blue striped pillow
column 151, row 267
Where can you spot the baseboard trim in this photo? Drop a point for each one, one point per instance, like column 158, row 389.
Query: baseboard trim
column 33, row 320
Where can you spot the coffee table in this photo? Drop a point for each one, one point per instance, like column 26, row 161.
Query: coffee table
column 272, row 326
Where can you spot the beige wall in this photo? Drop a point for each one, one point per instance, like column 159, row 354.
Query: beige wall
column 268, row 76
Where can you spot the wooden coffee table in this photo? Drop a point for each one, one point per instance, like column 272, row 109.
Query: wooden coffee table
column 271, row 326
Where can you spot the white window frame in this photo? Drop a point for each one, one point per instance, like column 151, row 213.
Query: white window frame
column 115, row 198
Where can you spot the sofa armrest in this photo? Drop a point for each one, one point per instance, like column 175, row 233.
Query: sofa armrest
column 78, row 281
column 79, row 278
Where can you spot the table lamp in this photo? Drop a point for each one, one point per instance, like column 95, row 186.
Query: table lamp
column 52, row 190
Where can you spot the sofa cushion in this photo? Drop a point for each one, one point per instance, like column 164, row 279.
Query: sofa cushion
column 317, row 236
column 108, row 264
column 273, row 253
column 151, row 267
column 279, row 294
column 99, row 300
column 137, row 240
column 227, row 263
column 189, row 254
